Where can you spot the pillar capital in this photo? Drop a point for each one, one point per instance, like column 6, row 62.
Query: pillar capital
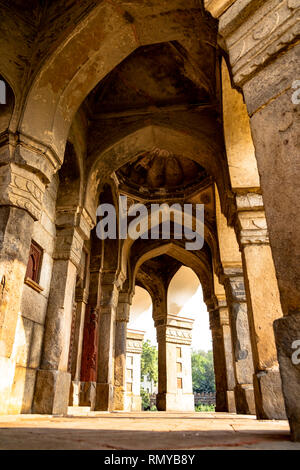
column 75, row 217
column 123, row 312
column 68, row 245
column 234, row 284
column 21, row 188
column 254, row 31
column 134, row 341
column 29, row 153
column 224, row 316
column 174, row 329
column 81, row 295
column 250, row 221
column 111, row 278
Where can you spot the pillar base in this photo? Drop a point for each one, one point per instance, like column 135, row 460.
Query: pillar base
column 287, row 331
column 87, row 394
column 175, row 402
column 133, row 402
column 7, row 372
column 104, row 397
column 244, row 399
column 119, row 399
column 268, row 395
column 51, row 395
column 231, row 408
column 22, row 390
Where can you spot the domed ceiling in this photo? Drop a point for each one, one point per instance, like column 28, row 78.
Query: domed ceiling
column 160, row 170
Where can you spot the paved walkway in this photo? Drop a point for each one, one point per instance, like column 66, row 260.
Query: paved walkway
column 145, row 430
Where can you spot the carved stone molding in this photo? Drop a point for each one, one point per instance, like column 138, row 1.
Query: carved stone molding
column 234, row 284
column 252, row 228
column 21, row 188
column 224, row 316
column 249, row 201
column 109, row 298
column 123, row 312
column 68, row 245
column 256, row 30
column 112, row 277
column 134, row 343
column 38, row 157
column 249, row 220
column 75, row 217
column 175, row 329
column 174, row 335
column 81, row 295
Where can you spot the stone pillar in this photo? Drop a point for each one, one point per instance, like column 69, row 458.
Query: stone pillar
column 263, row 304
column 51, row 394
column 175, row 389
column 109, row 292
column 134, row 347
column 223, row 357
column 88, row 374
column 241, row 343
column 262, row 41
column 21, row 194
column 81, row 299
column 122, row 319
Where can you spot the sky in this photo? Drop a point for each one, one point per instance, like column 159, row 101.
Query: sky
column 184, row 299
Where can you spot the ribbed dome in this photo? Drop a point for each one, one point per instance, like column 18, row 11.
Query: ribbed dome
column 161, row 169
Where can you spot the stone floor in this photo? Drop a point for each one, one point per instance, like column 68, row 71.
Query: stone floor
column 146, row 430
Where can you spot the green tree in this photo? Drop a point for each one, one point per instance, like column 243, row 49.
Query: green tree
column 145, row 396
column 149, row 362
column 203, row 372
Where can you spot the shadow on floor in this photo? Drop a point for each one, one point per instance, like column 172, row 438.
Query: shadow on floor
column 51, row 438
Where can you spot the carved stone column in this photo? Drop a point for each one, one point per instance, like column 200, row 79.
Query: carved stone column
column 241, row 343
column 88, row 375
column 21, row 195
column 262, row 39
column 134, row 349
column 223, row 357
column 263, row 304
column 175, row 390
column 53, row 379
column 109, row 293
column 81, row 299
column 121, row 336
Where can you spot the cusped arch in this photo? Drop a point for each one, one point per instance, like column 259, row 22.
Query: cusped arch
column 209, row 238
column 187, row 258
column 195, row 145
